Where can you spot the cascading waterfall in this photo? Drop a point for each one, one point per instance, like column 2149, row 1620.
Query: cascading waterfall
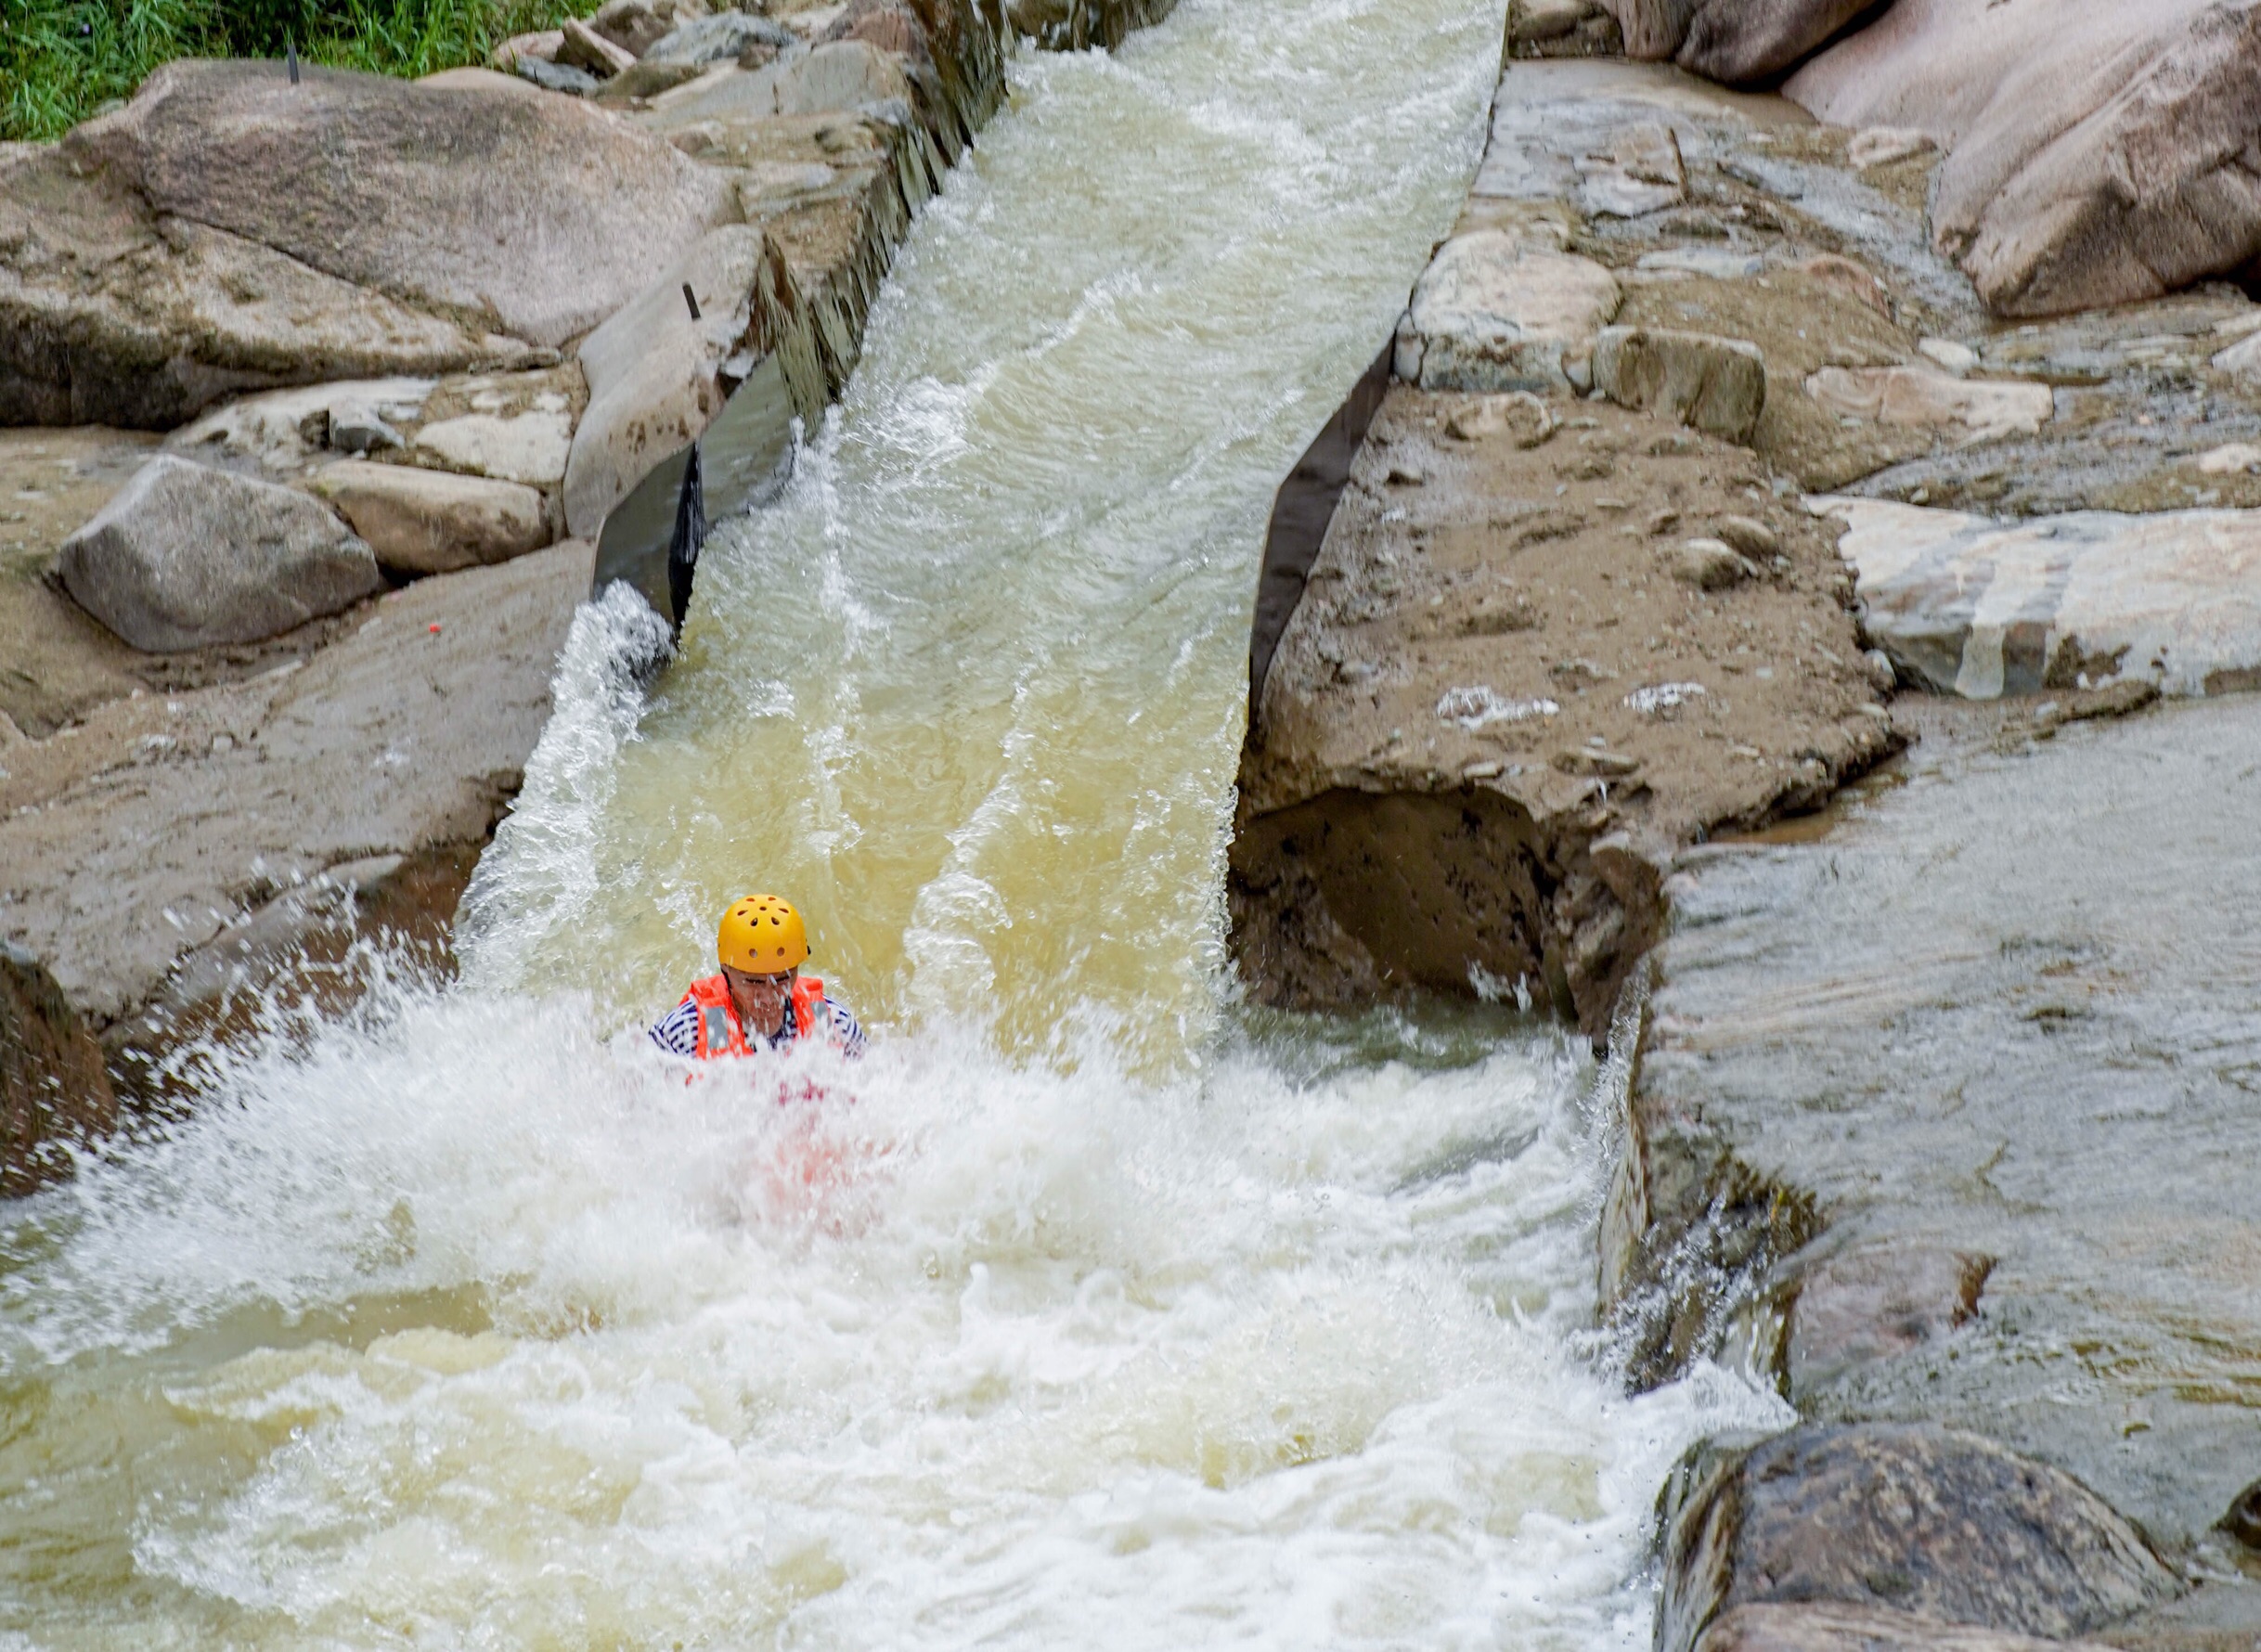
column 1092, row 1309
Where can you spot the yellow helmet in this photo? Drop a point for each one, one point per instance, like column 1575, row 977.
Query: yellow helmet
column 762, row 936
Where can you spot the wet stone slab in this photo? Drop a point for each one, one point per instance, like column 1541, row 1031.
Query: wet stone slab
column 2011, row 1010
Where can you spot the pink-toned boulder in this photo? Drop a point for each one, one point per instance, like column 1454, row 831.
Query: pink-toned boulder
column 2098, row 151
column 1734, row 40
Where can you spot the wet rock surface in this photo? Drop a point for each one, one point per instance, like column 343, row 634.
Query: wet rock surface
column 1912, row 1519
column 54, row 1089
column 1999, row 1010
column 1830, row 1627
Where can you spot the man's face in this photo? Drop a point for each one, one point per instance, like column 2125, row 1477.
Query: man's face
column 765, row 996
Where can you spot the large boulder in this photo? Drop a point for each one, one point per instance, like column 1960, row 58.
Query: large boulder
column 113, row 314
column 432, row 522
column 2097, row 153
column 465, row 198
column 54, row 1090
column 1911, row 1518
column 185, row 556
column 1731, row 40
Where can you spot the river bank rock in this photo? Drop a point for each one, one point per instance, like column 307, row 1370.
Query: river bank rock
column 185, row 556
column 1497, row 708
column 54, row 1090
column 110, row 313
column 1914, row 1520
column 657, row 375
column 1496, row 313
column 420, row 521
column 1830, row 1627
column 1986, row 1015
column 1974, row 606
column 406, row 736
column 1735, row 41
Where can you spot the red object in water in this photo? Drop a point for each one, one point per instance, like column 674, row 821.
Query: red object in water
column 436, row 628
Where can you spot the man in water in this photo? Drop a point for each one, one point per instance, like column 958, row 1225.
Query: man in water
column 760, row 1000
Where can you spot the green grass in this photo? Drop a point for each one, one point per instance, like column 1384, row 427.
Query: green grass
column 61, row 59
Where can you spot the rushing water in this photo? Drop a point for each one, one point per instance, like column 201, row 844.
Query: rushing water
column 1091, row 1310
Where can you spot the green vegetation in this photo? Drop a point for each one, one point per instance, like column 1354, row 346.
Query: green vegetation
column 61, row 59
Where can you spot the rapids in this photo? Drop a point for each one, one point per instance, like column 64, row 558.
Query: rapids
column 1109, row 1312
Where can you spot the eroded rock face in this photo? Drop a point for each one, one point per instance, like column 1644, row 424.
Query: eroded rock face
column 2097, row 154
column 54, row 1091
column 1907, row 1518
column 539, row 213
column 1497, row 707
column 184, row 556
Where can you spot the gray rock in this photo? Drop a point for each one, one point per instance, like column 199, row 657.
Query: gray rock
column 722, row 38
column 1714, row 384
column 110, row 315
column 282, row 431
column 431, row 522
column 1907, row 1518
column 358, row 428
column 583, row 48
column 1493, row 312
column 1974, row 606
column 184, row 556
column 636, row 26
column 54, row 1090
column 841, row 74
column 596, row 206
column 557, row 77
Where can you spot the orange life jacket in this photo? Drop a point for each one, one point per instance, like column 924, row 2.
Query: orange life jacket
column 719, row 1033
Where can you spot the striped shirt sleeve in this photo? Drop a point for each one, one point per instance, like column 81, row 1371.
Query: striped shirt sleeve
column 845, row 1032
column 676, row 1032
